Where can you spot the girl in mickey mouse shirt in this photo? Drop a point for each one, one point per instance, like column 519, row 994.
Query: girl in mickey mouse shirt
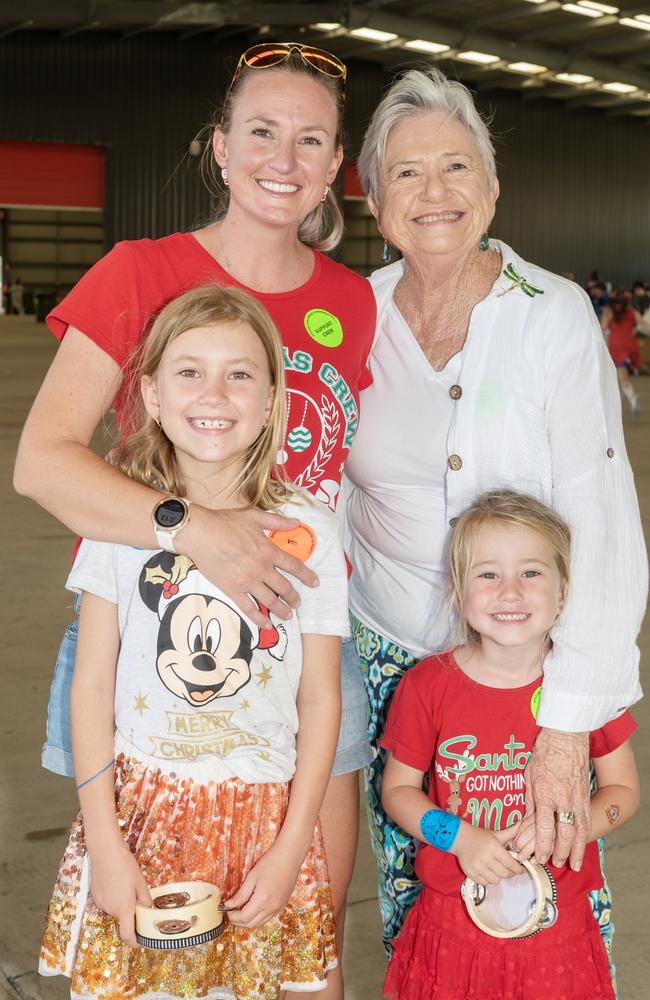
column 467, row 718
column 202, row 744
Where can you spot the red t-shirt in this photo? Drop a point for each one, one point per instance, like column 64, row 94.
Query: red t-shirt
column 622, row 340
column 475, row 741
column 327, row 328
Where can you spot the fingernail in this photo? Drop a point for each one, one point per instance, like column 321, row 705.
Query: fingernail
column 316, row 583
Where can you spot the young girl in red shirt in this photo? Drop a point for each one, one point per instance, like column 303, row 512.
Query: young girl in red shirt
column 467, row 719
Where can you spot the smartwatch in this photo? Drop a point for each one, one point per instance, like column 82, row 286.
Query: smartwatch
column 169, row 516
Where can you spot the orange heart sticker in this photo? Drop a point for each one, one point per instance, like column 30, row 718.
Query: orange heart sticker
column 299, row 542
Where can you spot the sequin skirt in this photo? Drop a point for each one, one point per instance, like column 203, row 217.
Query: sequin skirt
column 180, row 830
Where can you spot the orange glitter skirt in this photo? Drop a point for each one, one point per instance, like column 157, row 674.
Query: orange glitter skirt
column 180, row 830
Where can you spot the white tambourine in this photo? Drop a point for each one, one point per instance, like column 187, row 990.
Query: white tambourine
column 515, row 908
column 183, row 914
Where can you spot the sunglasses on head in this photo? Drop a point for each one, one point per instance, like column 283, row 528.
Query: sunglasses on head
column 270, row 54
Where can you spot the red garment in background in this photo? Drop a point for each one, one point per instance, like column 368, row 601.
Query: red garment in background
column 622, row 343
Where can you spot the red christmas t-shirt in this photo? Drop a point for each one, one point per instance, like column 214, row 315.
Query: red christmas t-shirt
column 474, row 741
column 327, row 327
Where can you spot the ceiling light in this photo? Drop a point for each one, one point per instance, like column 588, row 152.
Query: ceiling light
column 635, row 22
column 326, row 26
column 421, row 45
column 575, row 78
column 478, row 57
column 573, row 8
column 535, row 1
column 619, row 88
column 602, row 7
column 370, row 35
column 525, row 67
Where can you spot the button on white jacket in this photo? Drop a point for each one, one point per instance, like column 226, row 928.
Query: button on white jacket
column 540, row 412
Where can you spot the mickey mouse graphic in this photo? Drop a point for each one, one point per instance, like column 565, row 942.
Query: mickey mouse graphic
column 205, row 646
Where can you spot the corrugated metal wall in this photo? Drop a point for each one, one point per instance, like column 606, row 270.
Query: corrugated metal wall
column 575, row 188
column 143, row 98
column 575, row 185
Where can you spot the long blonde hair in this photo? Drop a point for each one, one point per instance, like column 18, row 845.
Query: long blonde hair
column 502, row 507
column 148, row 455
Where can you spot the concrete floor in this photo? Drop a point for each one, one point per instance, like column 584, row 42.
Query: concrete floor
column 36, row 807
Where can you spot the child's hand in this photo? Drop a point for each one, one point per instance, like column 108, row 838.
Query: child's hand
column 524, row 840
column 482, row 854
column 116, row 883
column 265, row 890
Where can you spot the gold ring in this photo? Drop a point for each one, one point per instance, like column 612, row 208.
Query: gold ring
column 566, row 817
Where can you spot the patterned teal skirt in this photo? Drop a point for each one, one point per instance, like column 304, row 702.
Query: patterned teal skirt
column 383, row 664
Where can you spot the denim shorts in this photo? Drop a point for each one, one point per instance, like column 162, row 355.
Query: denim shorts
column 352, row 753
column 57, row 751
column 353, row 750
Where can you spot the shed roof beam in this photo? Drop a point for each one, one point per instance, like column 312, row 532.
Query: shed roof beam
column 512, row 13
column 502, row 47
column 77, row 29
column 557, row 32
column 596, row 98
column 559, row 93
column 291, row 14
column 627, row 108
column 11, row 29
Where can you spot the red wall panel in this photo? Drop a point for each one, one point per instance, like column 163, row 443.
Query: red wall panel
column 51, row 174
column 351, row 186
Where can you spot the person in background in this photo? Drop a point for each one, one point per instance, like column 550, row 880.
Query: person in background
column 620, row 320
column 599, row 296
column 16, row 297
column 640, row 298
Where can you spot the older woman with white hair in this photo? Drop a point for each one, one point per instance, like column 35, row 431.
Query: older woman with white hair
column 488, row 372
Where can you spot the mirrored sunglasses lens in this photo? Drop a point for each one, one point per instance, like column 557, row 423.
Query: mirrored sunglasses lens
column 324, row 62
column 261, row 56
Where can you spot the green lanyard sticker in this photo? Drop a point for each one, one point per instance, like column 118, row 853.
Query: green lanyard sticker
column 323, row 327
column 534, row 701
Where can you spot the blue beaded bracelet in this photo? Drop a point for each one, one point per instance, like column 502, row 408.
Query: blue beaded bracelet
column 439, row 828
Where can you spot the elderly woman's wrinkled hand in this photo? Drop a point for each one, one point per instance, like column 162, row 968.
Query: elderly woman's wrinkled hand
column 557, row 782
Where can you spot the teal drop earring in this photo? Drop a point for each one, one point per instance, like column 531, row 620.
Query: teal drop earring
column 484, row 242
column 385, row 253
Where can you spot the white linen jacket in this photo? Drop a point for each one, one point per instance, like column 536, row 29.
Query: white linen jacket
column 540, row 412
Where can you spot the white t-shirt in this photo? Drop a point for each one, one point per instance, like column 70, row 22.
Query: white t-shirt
column 200, row 689
column 396, row 494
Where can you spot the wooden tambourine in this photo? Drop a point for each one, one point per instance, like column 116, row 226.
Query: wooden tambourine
column 517, row 907
column 183, row 914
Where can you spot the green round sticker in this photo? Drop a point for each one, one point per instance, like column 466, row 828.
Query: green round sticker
column 534, row 701
column 323, row 327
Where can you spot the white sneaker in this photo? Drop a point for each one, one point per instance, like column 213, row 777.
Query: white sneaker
column 635, row 405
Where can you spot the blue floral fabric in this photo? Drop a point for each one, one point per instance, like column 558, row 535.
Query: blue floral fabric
column 383, row 664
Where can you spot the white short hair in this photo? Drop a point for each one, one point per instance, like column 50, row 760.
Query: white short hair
column 415, row 92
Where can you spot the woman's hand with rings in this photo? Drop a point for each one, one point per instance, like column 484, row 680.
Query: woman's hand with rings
column 231, row 548
column 557, row 783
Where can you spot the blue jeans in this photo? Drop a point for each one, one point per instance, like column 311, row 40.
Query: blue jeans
column 57, row 751
column 352, row 752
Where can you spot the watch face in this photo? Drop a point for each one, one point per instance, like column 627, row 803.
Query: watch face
column 170, row 513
